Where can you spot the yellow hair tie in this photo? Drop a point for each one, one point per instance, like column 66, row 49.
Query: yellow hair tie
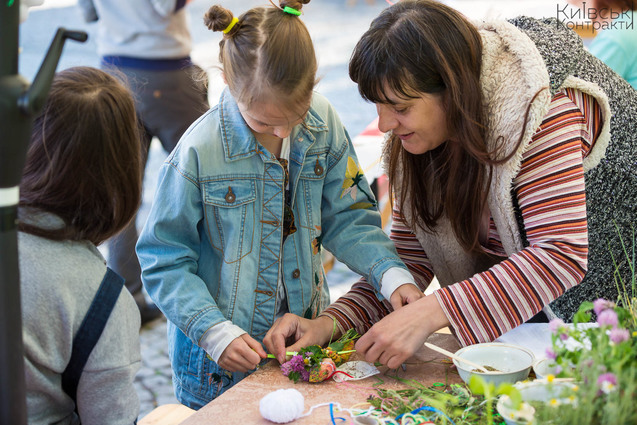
column 230, row 25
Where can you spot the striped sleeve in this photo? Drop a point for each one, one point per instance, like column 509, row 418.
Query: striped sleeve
column 360, row 308
column 551, row 194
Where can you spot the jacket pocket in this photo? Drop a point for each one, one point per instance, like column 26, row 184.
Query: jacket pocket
column 230, row 216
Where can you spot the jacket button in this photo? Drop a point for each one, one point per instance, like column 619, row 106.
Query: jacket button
column 318, row 169
column 296, row 273
column 230, row 197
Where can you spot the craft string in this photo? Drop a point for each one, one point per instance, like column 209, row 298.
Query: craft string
column 429, row 409
column 339, row 371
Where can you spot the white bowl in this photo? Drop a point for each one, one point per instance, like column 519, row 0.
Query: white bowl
column 545, row 367
column 513, row 363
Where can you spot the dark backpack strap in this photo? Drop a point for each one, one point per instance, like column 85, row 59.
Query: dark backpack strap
column 91, row 330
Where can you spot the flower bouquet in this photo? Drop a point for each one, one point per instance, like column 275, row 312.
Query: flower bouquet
column 597, row 359
column 316, row 364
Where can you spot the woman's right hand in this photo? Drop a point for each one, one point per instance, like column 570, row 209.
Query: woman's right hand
column 242, row 355
column 300, row 331
column 397, row 336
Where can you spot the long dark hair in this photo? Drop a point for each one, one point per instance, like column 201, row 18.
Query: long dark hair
column 84, row 162
column 422, row 46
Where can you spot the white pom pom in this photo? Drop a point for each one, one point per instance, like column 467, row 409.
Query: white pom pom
column 282, row 406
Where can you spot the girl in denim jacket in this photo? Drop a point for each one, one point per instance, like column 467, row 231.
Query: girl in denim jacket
column 246, row 201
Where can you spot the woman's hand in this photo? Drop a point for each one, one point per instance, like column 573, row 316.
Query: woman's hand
column 405, row 294
column 400, row 334
column 242, row 354
column 299, row 331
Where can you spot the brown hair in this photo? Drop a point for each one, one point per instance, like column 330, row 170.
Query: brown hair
column 267, row 53
column 422, row 46
column 84, row 161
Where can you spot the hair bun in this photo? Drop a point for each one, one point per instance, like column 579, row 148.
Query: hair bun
column 217, row 18
column 294, row 4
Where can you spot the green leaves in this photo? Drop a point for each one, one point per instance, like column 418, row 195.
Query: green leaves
column 479, row 386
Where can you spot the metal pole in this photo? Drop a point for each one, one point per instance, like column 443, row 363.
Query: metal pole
column 15, row 128
column 18, row 105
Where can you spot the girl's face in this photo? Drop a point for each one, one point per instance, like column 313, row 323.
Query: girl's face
column 420, row 123
column 269, row 120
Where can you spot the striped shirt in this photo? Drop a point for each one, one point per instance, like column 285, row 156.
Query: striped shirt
column 551, row 194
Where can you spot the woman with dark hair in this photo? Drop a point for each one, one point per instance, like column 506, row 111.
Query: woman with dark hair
column 81, row 185
column 511, row 158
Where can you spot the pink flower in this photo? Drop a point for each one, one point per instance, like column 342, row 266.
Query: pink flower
column 550, row 354
column 601, row 304
column 296, row 364
column 618, row 335
column 607, row 382
column 607, row 317
column 555, row 325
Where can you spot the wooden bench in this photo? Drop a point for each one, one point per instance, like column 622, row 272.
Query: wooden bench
column 167, row 414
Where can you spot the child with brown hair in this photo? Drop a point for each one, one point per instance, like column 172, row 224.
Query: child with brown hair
column 246, row 201
column 81, row 185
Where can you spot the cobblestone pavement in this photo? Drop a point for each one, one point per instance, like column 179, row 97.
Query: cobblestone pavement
column 335, row 26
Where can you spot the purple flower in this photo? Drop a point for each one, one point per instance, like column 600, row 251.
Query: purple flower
column 618, row 335
column 601, row 304
column 563, row 336
column 555, row 325
column 607, row 377
column 607, row 382
column 295, row 364
column 607, row 317
column 550, row 354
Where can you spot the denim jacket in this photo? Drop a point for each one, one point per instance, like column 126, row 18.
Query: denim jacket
column 211, row 247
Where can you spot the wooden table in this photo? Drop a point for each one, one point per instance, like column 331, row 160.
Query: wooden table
column 240, row 404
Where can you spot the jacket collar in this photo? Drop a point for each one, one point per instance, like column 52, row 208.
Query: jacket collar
column 239, row 142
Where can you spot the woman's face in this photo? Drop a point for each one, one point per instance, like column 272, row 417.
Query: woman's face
column 420, row 123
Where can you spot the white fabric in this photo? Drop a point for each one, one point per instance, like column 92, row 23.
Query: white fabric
column 393, row 278
column 218, row 337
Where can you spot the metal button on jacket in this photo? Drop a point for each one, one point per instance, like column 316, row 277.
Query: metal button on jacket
column 318, row 169
column 230, row 196
column 296, row 273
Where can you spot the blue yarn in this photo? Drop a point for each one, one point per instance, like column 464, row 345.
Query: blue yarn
column 428, row 408
column 332, row 415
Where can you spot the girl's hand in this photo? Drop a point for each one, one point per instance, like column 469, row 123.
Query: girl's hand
column 396, row 337
column 242, row 354
column 405, row 294
column 298, row 331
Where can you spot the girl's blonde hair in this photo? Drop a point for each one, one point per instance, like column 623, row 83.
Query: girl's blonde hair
column 267, row 54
